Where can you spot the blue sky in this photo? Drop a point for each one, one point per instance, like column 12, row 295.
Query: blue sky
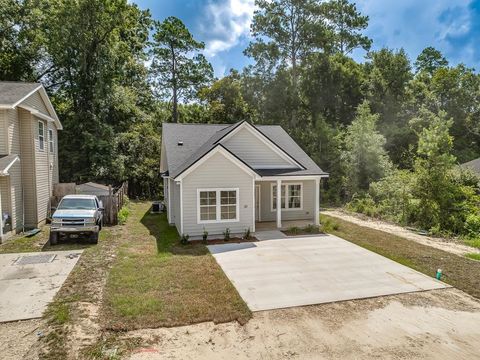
column 452, row 26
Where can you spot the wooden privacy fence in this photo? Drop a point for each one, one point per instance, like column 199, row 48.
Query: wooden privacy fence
column 112, row 203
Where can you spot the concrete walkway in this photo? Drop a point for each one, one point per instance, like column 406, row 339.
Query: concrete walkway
column 29, row 281
column 269, row 235
column 288, row 272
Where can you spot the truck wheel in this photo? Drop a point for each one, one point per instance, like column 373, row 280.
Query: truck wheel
column 53, row 238
column 94, row 238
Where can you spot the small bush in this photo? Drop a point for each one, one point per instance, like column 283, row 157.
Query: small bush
column 364, row 205
column 226, row 234
column 473, row 256
column 329, row 226
column 294, row 230
column 123, row 215
column 247, row 235
column 205, row 235
column 475, row 242
column 311, row 229
column 472, row 225
column 184, row 239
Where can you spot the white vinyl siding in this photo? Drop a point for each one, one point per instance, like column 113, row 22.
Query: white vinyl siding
column 220, row 173
column 175, row 191
column 42, row 174
column 16, row 192
column 35, row 101
column 308, row 201
column 253, row 151
column 3, row 132
column 27, row 160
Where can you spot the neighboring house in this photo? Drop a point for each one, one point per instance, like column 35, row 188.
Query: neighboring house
column 91, row 188
column 28, row 155
column 473, row 166
column 234, row 176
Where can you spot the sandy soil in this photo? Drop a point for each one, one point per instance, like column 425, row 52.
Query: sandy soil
column 18, row 339
column 440, row 324
column 449, row 245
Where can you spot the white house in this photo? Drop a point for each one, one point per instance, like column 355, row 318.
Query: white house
column 28, row 155
column 236, row 176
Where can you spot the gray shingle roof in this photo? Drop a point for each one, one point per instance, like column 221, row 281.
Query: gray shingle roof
column 13, row 91
column 473, row 165
column 199, row 139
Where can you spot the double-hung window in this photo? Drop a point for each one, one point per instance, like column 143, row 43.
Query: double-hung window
column 41, row 135
column 291, row 196
column 51, row 147
column 217, row 205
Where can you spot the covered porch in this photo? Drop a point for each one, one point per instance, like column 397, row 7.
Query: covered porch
column 282, row 202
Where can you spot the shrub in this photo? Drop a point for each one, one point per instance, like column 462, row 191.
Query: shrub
column 184, row 239
column 123, row 215
column 226, row 234
column 205, row 235
column 247, row 235
column 294, row 230
column 312, row 229
column 364, row 205
column 329, row 226
column 472, row 226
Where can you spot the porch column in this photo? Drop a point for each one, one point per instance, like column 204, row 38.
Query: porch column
column 279, row 204
column 317, row 201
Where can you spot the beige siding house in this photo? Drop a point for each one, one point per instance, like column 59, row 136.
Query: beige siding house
column 28, row 155
column 238, row 176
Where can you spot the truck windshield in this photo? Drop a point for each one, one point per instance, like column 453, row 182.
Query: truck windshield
column 84, row 204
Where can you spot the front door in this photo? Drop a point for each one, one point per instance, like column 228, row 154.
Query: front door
column 257, row 202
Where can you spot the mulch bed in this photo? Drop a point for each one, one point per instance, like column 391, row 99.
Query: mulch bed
column 233, row 240
column 458, row 271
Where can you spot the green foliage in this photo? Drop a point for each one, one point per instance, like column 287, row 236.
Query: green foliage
column 294, row 230
column 429, row 60
column 123, row 215
column 365, row 157
column 311, row 229
column 177, row 74
column 364, row 205
column 473, row 256
column 247, row 235
column 472, row 226
column 328, row 225
column 204, row 235
column 184, row 239
column 226, row 234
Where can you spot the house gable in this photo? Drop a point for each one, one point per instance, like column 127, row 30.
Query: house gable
column 36, row 102
column 256, row 150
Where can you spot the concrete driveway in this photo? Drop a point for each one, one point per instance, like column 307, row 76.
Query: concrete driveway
column 282, row 273
column 29, row 281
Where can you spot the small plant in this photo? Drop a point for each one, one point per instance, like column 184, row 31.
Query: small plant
column 226, row 234
column 294, row 230
column 205, row 235
column 329, row 225
column 247, row 235
column 123, row 215
column 311, row 229
column 184, row 239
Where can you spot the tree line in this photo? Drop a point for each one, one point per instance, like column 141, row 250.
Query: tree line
column 390, row 131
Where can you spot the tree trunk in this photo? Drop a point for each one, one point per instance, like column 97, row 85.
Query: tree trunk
column 175, row 105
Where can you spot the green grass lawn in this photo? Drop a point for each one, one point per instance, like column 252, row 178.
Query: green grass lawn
column 473, row 256
column 156, row 282
column 458, row 271
column 473, row 243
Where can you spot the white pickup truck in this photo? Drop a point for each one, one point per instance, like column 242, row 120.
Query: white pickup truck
column 77, row 215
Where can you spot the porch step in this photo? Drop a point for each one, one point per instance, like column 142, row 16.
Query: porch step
column 269, row 235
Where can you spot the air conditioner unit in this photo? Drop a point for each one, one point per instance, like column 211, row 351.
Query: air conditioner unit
column 157, row 207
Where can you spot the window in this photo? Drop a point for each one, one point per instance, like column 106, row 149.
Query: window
column 50, row 140
column 41, row 135
column 291, row 197
column 217, row 205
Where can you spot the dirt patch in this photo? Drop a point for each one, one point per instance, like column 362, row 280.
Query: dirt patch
column 18, row 339
column 453, row 246
column 461, row 272
column 416, row 325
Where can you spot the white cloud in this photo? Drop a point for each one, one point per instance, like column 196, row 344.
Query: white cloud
column 414, row 24
column 225, row 23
